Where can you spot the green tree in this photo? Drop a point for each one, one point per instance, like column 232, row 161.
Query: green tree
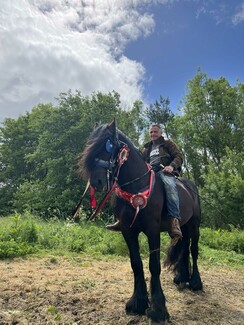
column 39, row 151
column 223, row 192
column 161, row 113
column 210, row 123
column 16, row 142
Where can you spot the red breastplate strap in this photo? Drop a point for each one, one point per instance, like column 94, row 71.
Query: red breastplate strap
column 139, row 200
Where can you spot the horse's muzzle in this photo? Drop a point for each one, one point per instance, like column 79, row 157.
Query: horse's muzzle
column 99, row 186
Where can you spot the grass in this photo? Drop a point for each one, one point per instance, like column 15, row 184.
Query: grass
column 23, row 235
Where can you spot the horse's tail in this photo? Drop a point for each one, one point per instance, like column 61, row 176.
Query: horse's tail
column 178, row 252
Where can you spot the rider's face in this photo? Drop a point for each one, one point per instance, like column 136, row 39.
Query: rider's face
column 155, row 133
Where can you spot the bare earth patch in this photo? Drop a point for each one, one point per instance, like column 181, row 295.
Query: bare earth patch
column 89, row 291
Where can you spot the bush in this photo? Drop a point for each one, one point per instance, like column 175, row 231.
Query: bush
column 22, row 235
column 222, row 194
column 10, row 249
column 220, row 239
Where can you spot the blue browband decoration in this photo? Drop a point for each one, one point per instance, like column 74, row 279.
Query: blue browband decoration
column 109, row 146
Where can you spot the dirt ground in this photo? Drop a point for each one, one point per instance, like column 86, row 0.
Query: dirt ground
column 55, row 290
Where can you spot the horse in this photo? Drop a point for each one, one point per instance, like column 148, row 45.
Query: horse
column 111, row 162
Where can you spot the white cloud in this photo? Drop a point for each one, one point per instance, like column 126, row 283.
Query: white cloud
column 51, row 46
column 239, row 16
column 222, row 12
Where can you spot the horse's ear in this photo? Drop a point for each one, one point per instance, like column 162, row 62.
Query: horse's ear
column 96, row 125
column 112, row 128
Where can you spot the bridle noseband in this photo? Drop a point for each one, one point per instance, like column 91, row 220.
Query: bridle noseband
column 114, row 163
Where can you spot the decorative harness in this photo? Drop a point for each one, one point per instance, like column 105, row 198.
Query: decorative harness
column 139, row 200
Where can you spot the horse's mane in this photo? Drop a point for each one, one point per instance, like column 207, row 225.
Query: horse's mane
column 95, row 146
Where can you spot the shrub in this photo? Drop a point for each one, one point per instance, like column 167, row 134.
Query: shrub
column 10, row 249
column 221, row 239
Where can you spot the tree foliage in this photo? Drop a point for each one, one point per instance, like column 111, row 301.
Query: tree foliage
column 211, row 122
column 223, row 192
column 39, row 150
column 161, row 113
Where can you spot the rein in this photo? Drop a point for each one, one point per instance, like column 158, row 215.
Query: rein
column 77, row 208
column 139, row 200
column 121, row 159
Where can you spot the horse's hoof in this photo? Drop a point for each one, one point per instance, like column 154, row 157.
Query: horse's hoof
column 176, row 280
column 136, row 307
column 157, row 317
column 182, row 285
column 195, row 285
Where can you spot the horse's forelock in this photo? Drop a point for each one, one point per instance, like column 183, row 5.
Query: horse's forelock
column 92, row 149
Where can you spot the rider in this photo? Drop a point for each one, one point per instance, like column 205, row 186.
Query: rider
column 166, row 159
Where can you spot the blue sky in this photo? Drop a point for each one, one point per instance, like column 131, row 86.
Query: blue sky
column 140, row 48
column 184, row 40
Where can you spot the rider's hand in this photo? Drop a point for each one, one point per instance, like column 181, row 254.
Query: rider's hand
column 168, row 169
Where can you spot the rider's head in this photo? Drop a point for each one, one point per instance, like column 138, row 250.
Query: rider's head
column 155, row 132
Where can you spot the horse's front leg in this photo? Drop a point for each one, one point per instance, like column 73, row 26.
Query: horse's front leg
column 157, row 311
column 138, row 303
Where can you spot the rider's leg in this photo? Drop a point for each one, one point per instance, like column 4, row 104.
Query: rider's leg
column 172, row 202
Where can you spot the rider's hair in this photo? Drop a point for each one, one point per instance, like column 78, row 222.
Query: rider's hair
column 156, row 125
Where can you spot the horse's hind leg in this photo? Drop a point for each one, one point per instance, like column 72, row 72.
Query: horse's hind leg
column 138, row 303
column 195, row 282
column 157, row 311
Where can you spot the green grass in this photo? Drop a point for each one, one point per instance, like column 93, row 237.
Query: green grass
column 22, row 235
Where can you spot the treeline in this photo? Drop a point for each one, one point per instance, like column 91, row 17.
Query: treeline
column 39, row 150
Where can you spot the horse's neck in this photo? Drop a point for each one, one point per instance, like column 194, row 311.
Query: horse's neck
column 132, row 173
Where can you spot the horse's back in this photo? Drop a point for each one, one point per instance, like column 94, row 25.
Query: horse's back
column 189, row 203
column 189, row 200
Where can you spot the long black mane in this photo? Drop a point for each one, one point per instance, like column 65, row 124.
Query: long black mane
column 95, row 146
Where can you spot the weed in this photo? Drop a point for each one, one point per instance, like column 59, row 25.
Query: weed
column 23, row 235
column 88, row 283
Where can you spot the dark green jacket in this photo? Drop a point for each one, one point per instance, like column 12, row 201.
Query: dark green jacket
column 170, row 154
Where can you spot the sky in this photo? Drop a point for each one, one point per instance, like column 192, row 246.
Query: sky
column 143, row 49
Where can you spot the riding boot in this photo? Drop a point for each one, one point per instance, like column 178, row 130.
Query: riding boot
column 114, row 227
column 174, row 228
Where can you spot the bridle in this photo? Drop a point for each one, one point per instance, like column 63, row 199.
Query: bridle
column 113, row 166
column 115, row 162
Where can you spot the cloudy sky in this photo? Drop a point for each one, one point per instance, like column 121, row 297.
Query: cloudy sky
column 140, row 48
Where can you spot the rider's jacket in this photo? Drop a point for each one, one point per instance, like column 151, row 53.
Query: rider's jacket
column 169, row 154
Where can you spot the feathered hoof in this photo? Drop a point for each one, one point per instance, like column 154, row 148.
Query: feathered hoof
column 195, row 284
column 158, row 316
column 136, row 306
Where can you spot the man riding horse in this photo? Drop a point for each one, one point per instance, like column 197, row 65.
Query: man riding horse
column 166, row 159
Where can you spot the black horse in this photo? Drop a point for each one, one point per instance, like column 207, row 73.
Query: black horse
column 111, row 158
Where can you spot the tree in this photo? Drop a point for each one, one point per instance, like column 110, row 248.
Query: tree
column 210, row 123
column 17, row 141
column 161, row 113
column 39, row 151
column 223, row 192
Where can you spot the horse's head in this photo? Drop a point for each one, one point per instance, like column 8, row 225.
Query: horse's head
column 99, row 158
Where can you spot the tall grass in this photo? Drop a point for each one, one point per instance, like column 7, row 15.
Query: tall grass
column 25, row 234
